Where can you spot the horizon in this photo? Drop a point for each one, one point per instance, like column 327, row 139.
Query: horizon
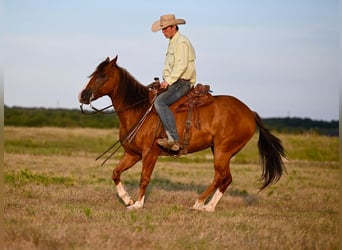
column 78, row 109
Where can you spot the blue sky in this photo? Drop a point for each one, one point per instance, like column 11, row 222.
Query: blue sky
column 279, row 57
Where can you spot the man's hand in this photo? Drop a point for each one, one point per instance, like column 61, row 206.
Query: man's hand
column 164, row 85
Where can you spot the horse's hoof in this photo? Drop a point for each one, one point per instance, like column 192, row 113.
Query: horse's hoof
column 133, row 207
column 203, row 209
column 137, row 205
column 195, row 209
column 207, row 208
column 130, row 203
column 199, row 206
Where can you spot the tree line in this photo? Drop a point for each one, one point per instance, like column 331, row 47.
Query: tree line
column 45, row 117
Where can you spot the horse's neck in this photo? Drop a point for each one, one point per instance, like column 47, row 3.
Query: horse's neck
column 129, row 105
column 127, row 102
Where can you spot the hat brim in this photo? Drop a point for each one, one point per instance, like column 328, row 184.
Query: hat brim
column 156, row 26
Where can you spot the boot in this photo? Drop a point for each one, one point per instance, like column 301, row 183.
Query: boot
column 167, row 144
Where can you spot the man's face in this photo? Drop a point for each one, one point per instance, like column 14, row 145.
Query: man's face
column 169, row 31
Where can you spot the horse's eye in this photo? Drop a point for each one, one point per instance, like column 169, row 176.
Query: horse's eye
column 101, row 78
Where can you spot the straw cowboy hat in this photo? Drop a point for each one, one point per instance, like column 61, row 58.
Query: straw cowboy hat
column 165, row 21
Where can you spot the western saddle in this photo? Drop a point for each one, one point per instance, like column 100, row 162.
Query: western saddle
column 198, row 96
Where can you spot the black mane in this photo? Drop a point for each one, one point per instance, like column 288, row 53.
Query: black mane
column 132, row 91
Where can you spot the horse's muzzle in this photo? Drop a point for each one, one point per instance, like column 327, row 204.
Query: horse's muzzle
column 86, row 96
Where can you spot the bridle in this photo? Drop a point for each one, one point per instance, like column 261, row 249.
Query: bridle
column 96, row 110
column 103, row 110
column 154, row 87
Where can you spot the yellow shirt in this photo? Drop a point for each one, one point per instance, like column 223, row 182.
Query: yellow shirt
column 180, row 60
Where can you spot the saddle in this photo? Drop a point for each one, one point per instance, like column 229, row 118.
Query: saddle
column 198, row 96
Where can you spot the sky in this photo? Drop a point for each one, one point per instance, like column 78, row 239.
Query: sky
column 281, row 58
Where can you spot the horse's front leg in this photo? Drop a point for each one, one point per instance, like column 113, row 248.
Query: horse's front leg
column 148, row 162
column 126, row 162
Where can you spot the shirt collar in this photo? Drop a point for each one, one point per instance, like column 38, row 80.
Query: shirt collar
column 175, row 37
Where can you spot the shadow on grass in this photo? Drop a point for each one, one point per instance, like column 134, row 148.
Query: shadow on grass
column 169, row 185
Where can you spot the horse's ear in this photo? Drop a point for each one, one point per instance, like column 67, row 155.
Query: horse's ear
column 115, row 59
column 107, row 59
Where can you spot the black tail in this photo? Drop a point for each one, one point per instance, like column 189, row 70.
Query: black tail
column 271, row 152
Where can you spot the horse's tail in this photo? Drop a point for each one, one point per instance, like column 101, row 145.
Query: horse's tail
column 271, row 152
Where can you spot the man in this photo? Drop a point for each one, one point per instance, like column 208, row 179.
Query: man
column 179, row 75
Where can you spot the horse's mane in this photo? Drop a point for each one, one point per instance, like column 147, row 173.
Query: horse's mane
column 132, row 90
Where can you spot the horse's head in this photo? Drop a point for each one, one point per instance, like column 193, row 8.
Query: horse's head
column 101, row 82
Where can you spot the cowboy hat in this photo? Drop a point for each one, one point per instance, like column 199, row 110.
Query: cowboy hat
column 165, row 21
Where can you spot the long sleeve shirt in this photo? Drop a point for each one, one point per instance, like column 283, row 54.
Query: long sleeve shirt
column 180, row 60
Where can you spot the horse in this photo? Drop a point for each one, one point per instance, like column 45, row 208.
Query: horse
column 227, row 124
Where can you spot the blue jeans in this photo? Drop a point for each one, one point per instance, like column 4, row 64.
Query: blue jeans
column 165, row 99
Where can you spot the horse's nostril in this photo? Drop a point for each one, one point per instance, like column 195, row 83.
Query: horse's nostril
column 85, row 96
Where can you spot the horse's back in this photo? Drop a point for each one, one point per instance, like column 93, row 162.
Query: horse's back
column 234, row 105
column 221, row 109
column 226, row 121
column 233, row 113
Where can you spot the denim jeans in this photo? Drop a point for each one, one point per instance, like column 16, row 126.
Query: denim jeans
column 165, row 99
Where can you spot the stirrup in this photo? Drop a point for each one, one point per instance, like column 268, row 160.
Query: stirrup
column 169, row 145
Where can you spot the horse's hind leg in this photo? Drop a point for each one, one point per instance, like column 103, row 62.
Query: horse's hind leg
column 220, row 183
column 126, row 162
column 210, row 206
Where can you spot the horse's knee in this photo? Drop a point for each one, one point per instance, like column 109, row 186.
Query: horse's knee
column 116, row 176
column 222, row 179
column 226, row 182
column 228, row 179
column 144, row 182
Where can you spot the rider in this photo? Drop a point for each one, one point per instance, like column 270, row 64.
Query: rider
column 179, row 75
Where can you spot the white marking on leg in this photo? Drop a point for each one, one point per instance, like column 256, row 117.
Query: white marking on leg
column 137, row 204
column 199, row 205
column 210, row 207
column 123, row 194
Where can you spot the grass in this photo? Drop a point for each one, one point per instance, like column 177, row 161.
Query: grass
column 58, row 197
column 57, row 141
column 25, row 176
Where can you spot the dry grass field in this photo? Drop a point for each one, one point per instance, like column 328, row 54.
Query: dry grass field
column 58, row 197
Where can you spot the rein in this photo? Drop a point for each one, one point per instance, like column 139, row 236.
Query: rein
column 102, row 111
column 96, row 110
column 130, row 136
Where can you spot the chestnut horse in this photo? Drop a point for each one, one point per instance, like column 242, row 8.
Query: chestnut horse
column 226, row 126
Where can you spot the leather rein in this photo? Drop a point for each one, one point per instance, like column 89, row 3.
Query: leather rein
column 103, row 110
column 154, row 87
column 131, row 134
